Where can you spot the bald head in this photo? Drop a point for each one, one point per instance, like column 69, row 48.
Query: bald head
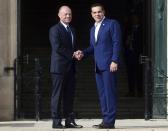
column 65, row 14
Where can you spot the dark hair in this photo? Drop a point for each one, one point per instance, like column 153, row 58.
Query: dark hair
column 97, row 4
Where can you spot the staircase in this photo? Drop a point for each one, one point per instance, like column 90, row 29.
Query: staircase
column 86, row 103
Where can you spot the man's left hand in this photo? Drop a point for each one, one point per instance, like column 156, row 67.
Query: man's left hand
column 113, row 67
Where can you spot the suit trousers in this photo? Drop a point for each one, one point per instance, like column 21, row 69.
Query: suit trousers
column 107, row 91
column 63, row 88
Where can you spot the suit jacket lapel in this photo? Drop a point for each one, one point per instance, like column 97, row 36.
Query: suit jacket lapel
column 63, row 28
column 100, row 30
column 93, row 35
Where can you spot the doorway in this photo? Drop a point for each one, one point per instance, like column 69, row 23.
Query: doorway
column 36, row 17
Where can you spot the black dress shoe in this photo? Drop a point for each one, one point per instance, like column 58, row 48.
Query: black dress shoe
column 58, row 126
column 104, row 126
column 72, row 124
column 96, row 126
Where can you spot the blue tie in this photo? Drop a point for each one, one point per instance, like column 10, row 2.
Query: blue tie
column 69, row 33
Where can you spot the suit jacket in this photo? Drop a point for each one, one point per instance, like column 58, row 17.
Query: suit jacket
column 62, row 49
column 107, row 47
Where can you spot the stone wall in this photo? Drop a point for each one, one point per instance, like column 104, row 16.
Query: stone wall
column 8, row 44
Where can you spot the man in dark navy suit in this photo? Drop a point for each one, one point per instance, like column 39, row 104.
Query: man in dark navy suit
column 62, row 39
column 105, row 46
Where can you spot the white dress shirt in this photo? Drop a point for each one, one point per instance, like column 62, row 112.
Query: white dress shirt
column 97, row 27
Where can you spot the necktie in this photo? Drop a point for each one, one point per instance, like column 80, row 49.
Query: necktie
column 69, row 33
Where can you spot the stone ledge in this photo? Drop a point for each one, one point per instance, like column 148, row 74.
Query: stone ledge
column 121, row 125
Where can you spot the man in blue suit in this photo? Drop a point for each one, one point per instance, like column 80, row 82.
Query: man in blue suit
column 62, row 39
column 105, row 46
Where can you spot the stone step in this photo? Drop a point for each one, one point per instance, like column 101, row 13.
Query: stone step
column 86, row 98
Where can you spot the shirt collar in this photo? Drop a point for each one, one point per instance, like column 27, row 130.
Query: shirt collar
column 64, row 24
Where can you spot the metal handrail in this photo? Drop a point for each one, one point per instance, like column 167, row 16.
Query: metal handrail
column 37, row 76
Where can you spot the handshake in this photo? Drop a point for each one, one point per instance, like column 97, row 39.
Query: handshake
column 78, row 55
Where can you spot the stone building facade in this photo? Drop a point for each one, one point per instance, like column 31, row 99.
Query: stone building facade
column 9, row 37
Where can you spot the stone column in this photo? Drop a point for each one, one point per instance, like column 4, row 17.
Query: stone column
column 8, row 52
column 167, row 57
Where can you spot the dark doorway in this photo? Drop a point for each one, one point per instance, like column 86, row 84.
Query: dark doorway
column 36, row 18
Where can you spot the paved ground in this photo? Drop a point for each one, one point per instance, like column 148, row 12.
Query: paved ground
column 121, row 125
